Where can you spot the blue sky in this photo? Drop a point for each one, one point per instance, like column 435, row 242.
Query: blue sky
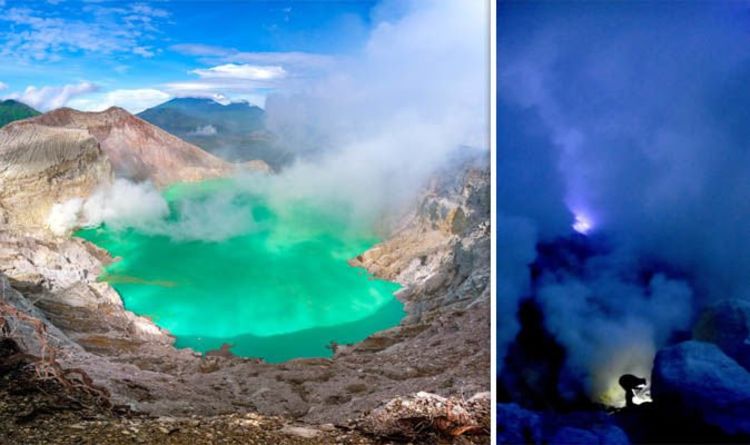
column 92, row 54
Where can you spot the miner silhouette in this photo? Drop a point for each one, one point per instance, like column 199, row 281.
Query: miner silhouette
column 630, row 383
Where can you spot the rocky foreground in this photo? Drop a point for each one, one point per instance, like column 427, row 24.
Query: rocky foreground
column 425, row 380
column 700, row 389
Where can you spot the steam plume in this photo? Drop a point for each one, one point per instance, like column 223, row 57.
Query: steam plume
column 634, row 116
column 383, row 119
column 367, row 133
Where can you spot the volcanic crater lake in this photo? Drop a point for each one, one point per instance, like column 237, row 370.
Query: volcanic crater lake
column 272, row 280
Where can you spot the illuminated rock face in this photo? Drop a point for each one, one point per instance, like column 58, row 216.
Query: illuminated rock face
column 697, row 379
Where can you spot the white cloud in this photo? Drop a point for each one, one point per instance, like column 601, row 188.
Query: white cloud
column 51, row 97
column 299, row 61
column 143, row 51
column 3, row 85
column 43, row 35
column 228, row 89
column 291, row 58
column 145, row 10
column 249, row 72
column 133, row 100
column 206, row 130
column 197, row 87
column 221, row 90
column 198, row 49
column 259, row 100
column 249, row 76
column 220, row 98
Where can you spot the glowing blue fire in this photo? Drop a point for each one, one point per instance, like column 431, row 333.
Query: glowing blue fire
column 582, row 224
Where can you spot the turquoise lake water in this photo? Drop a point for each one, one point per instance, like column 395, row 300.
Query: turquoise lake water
column 277, row 287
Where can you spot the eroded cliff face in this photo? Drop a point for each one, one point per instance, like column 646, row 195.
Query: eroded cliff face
column 441, row 253
column 138, row 150
column 42, row 165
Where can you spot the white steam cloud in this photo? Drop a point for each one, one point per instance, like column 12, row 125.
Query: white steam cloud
column 121, row 204
column 611, row 325
column 125, row 205
column 383, row 119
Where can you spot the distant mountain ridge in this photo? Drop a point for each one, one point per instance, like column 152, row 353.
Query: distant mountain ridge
column 234, row 132
column 235, row 116
column 13, row 110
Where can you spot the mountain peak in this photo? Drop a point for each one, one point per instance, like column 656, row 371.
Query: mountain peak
column 13, row 110
column 236, row 131
column 214, row 102
column 12, row 102
column 207, row 101
column 137, row 149
column 114, row 110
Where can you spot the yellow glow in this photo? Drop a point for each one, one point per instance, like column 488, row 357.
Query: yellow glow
column 605, row 385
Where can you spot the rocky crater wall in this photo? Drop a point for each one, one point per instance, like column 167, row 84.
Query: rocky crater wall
column 440, row 253
column 40, row 166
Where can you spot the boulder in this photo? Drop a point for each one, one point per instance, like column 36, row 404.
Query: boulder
column 574, row 436
column 599, row 435
column 423, row 414
column 727, row 324
column 697, row 380
column 516, row 425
